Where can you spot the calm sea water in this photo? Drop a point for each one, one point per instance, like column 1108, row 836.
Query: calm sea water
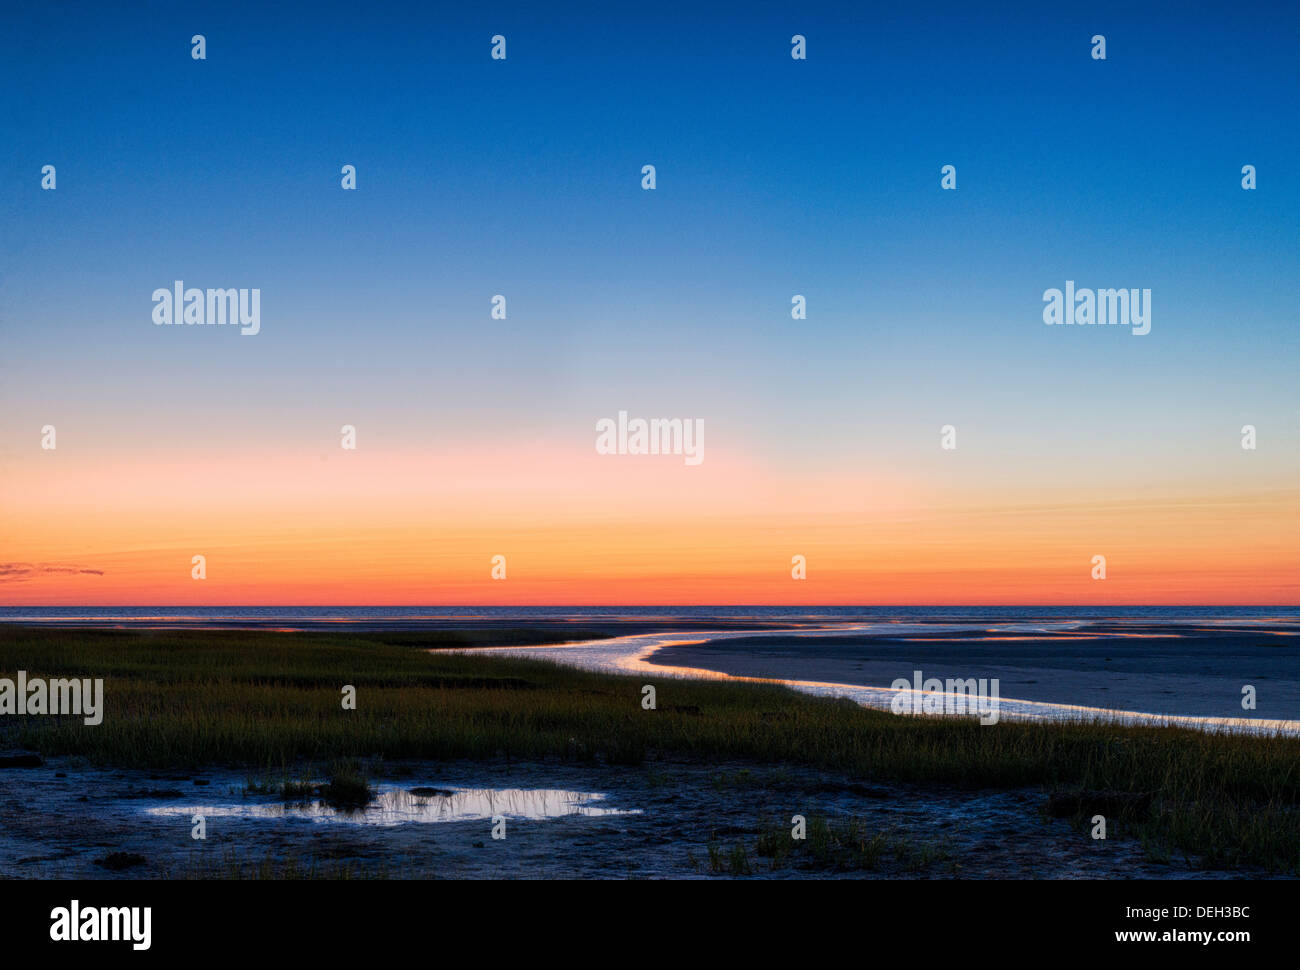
column 407, row 617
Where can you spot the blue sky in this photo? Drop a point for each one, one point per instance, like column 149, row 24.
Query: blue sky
column 775, row 177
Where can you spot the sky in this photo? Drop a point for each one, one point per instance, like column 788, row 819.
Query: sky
column 774, row 177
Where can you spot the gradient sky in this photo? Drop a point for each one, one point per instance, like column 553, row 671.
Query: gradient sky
column 775, row 177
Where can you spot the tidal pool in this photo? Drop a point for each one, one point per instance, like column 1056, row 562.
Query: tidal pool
column 397, row 806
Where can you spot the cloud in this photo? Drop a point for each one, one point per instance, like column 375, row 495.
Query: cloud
column 21, row 572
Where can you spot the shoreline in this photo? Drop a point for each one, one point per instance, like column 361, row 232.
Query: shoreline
column 747, row 657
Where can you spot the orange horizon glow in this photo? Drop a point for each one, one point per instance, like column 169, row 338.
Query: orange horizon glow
column 577, row 529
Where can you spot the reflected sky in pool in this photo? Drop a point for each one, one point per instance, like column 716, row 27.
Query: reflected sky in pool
column 399, row 806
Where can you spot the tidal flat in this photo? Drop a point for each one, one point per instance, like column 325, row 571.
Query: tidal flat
column 248, row 731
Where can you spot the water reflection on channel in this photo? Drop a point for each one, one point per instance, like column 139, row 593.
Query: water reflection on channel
column 398, row 806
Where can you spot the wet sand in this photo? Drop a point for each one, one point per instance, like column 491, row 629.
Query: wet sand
column 1191, row 670
column 56, row 821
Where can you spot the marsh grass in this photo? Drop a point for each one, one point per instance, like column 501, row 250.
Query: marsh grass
column 347, row 787
column 189, row 699
column 829, row 846
column 840, row 846
column 298, row 790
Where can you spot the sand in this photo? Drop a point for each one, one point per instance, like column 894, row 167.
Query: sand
column 1175, row 670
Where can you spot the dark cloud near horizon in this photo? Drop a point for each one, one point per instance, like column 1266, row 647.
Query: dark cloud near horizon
column 17, row 572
